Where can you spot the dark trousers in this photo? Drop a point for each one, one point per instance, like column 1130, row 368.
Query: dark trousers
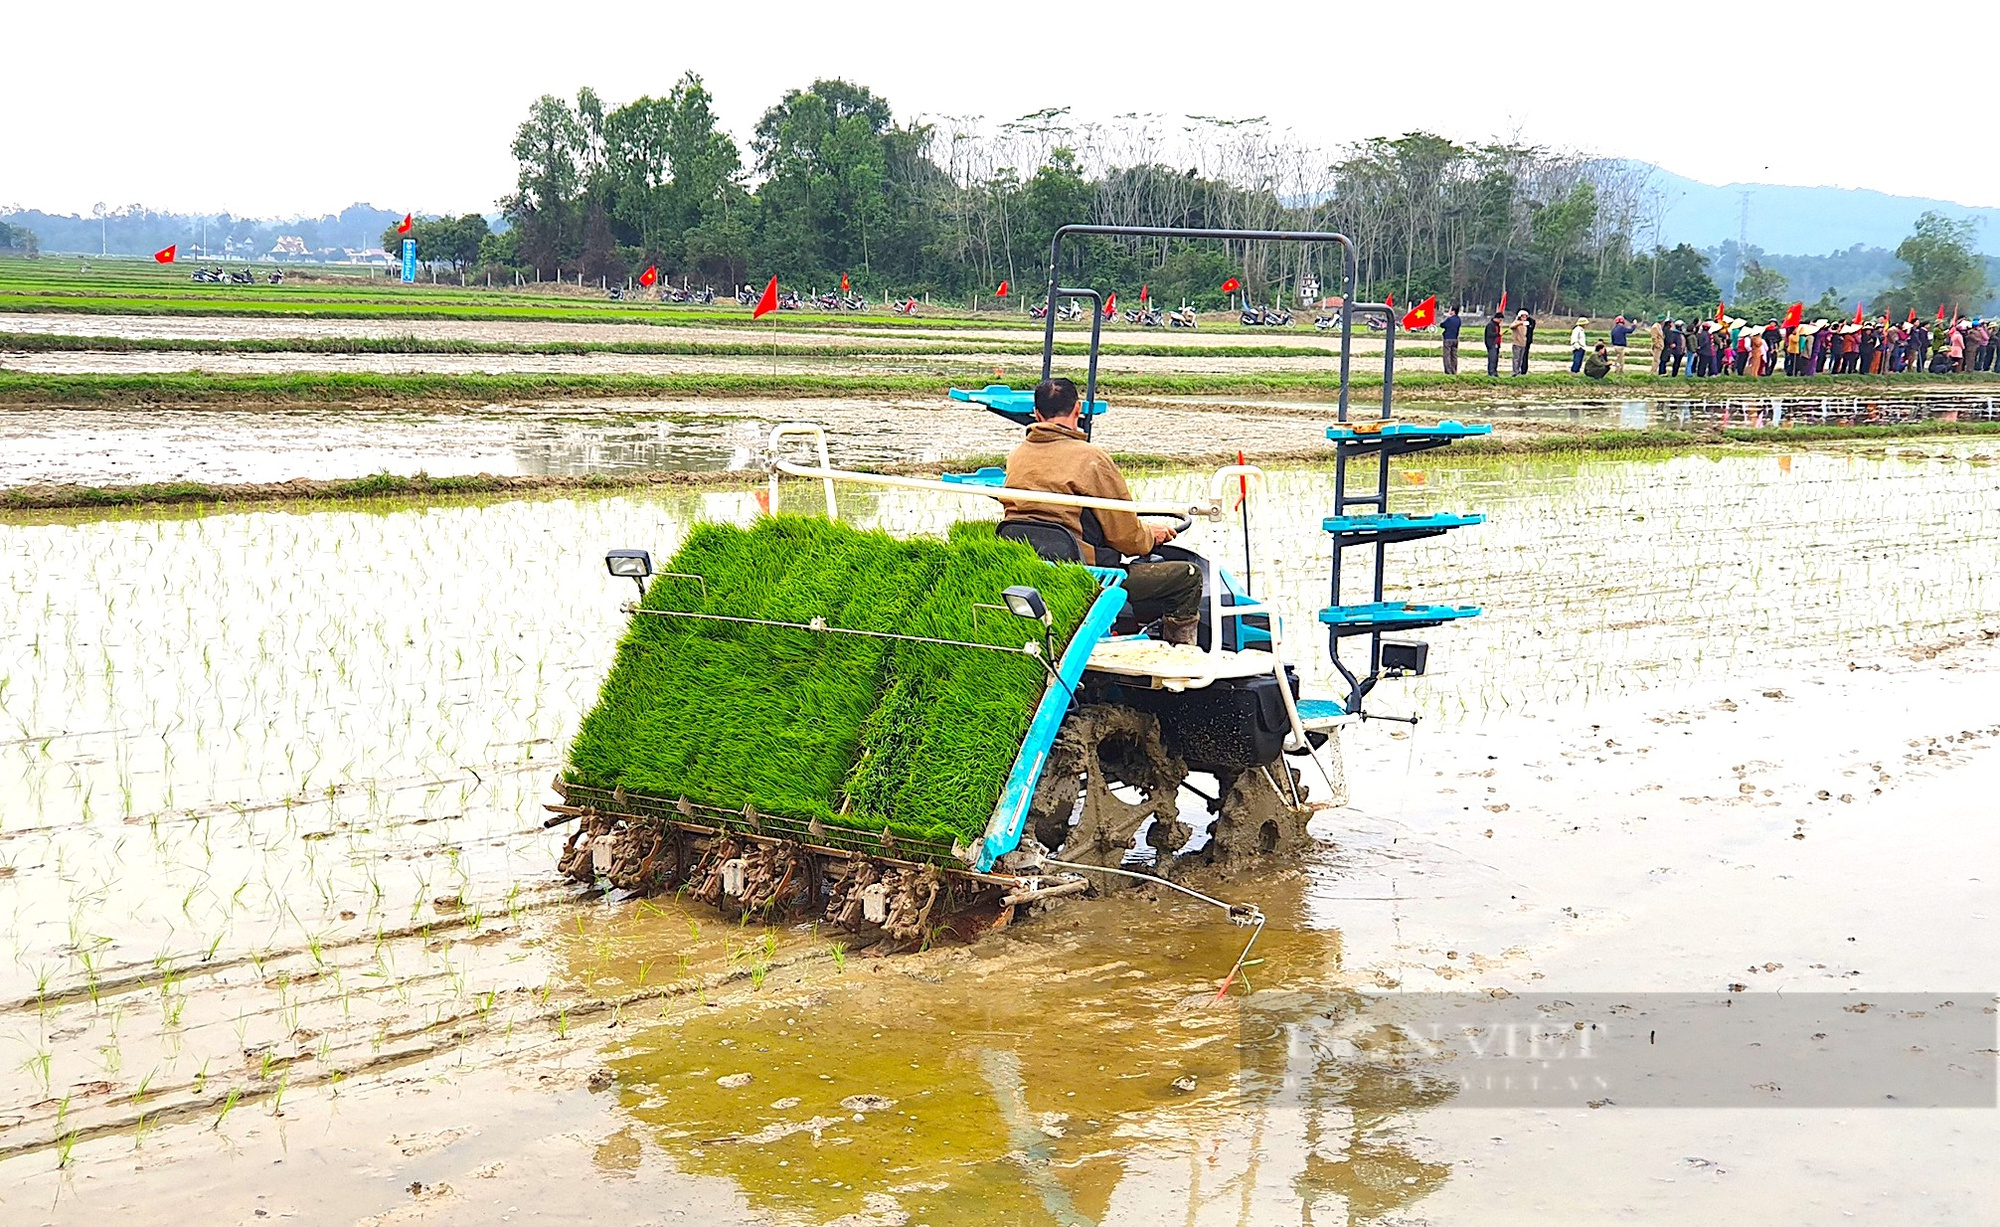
column 1575, row 361
column 1165, row 589
column 1451, row 356
column 1493, row 362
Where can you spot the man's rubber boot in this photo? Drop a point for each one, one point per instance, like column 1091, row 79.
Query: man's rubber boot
column 1180, row 630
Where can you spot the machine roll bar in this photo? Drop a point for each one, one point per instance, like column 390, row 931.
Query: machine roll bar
column 1349, row 269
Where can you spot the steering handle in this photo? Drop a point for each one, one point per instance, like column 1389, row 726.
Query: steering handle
column 1182, row 523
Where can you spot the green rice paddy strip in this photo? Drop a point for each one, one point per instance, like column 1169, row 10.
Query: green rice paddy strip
column 855, row 731
column 750, row 346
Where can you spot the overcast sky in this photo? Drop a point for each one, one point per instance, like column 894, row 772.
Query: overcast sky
column 277, row 109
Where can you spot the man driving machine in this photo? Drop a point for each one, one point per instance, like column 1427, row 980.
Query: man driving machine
column 1058, row 458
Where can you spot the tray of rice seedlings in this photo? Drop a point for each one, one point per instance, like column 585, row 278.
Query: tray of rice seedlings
column 808, row 720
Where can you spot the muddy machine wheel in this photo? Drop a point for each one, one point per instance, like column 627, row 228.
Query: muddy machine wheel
column 1113, row 787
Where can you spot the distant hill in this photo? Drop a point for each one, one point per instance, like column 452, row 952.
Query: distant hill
column 138, row 231
column 1802, row 220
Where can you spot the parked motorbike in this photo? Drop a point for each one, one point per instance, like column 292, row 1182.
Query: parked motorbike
column 243, row 277
column 853, row 302
column 1183, row 318
column 1069, row 311
column 1326, row 323
column 277, row 278
column 746, row 296
column 907, row 307
column 1039, row 311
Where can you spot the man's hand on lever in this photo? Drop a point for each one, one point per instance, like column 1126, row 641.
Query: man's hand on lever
column 1163, row 534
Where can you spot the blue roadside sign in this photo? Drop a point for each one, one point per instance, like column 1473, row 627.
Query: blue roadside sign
column 409, row 260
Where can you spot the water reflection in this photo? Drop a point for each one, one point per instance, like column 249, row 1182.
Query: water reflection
column 1071, row 1074
column 1785, row 403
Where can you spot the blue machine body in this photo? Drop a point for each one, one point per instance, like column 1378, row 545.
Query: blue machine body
column 1010, row 814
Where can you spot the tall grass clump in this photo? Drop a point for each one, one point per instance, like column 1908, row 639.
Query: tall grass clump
column 855, row 731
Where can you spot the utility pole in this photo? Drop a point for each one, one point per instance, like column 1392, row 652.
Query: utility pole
column 1742, row 240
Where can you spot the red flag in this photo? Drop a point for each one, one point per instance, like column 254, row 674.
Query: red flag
column 843, row 283
column 1940, row 314
column 1111, row 305
column 165, row 255
column 403, row 227
column 1231, row 286
column 1720, row 315
column 1857, row 313
column 1388, row 300
column 1002, row 291
column 651, row 275
column 1242, row 482
column 1796, row 315
column 1503, row 302
column 1423, row 315
column 1142, row 291
column 769, row 302
column 1913, row 316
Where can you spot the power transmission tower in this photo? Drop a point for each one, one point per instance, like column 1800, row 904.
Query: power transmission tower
column 1742, row 241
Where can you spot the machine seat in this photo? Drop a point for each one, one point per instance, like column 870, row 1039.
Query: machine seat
column 1052, row 541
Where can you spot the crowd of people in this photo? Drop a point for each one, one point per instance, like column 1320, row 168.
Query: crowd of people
column 1731, row 346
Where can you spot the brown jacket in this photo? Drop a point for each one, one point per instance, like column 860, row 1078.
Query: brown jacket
column 1057, row 459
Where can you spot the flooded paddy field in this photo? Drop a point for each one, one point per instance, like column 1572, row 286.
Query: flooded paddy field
column 1668, row 407
column 279, row 928
column 1781, row 407
column 262, row 444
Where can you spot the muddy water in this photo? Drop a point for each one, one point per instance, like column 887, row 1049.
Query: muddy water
column 281, row 932
column 1789, row 402
column 95, row 447
column 1025, row 363
column 91, row 447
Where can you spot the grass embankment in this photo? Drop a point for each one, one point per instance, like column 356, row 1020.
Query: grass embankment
column 855, row 731
column 411, row 302
column 321, row 388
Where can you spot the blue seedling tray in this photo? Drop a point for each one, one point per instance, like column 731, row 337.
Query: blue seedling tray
column 1393, row 527
column 1391, row 615
column 1017, row 405
column 1407, row 430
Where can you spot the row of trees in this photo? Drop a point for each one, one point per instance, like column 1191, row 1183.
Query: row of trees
column 456, row 241
column 136, row 230
column 833, row 184
column 19, row 240
column 1936, row 267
